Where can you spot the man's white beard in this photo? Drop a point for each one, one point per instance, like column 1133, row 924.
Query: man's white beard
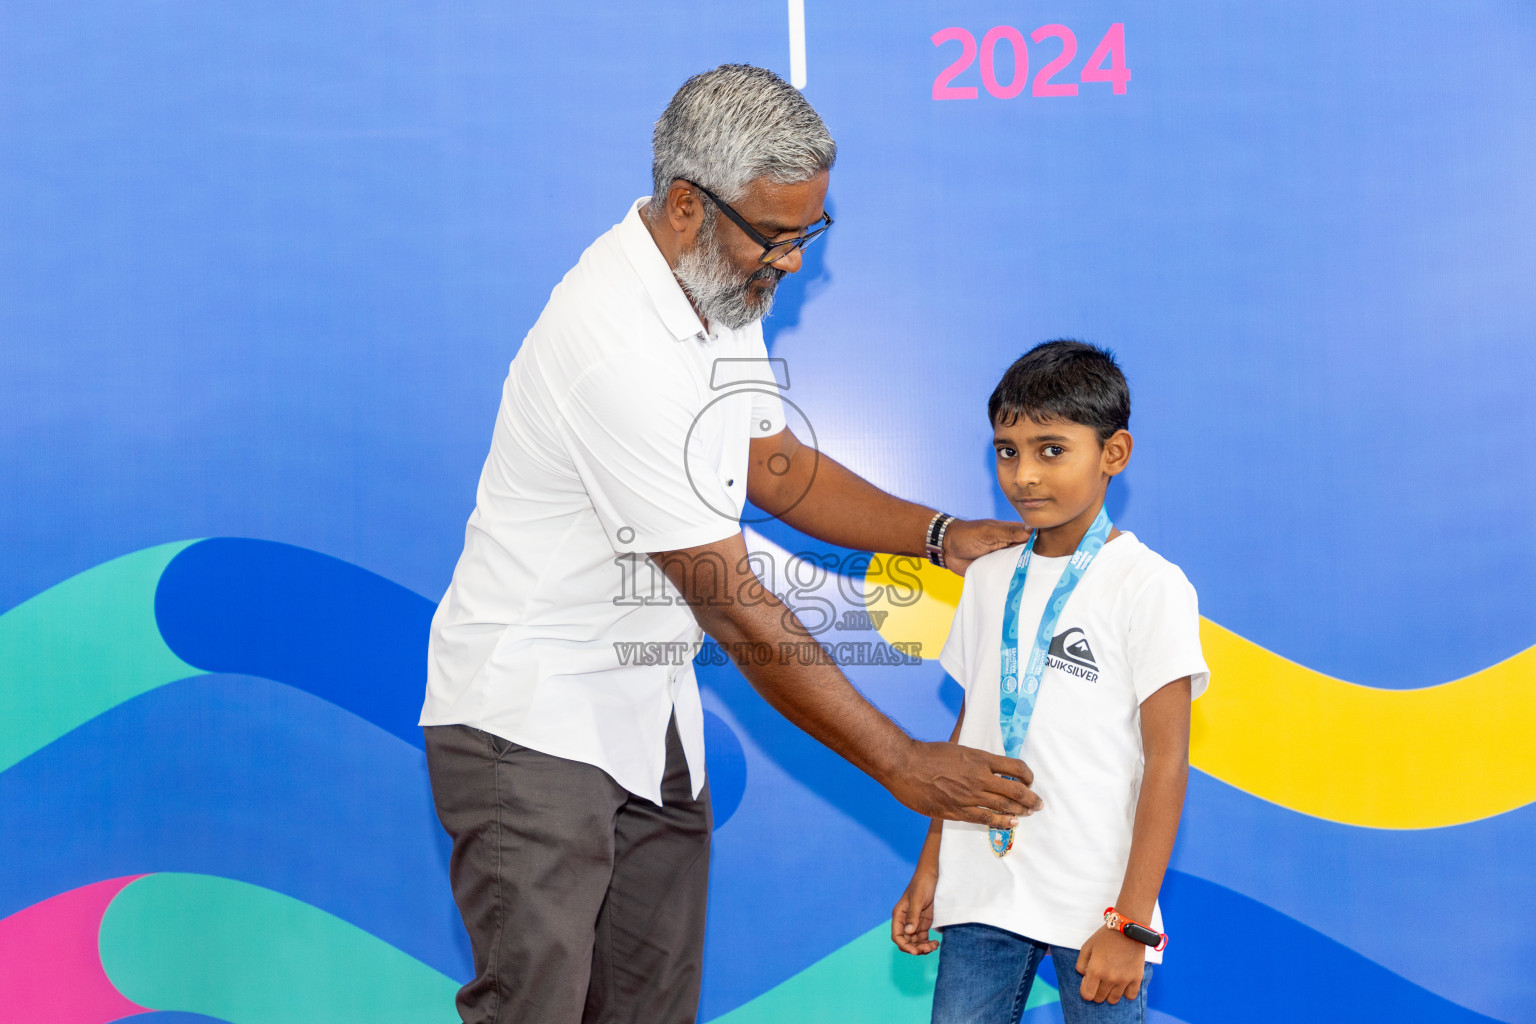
column 719, row 290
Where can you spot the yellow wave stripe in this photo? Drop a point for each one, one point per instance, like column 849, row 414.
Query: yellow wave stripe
column 1391, row 759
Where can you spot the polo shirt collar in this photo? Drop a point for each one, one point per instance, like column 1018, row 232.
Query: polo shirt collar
column 656, row 276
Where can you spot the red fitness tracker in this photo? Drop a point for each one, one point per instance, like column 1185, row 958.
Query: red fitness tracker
column 1115, row 921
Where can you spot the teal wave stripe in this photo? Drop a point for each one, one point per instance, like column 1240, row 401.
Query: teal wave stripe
column 247, row 955
column 81, row 648
column 868, row 981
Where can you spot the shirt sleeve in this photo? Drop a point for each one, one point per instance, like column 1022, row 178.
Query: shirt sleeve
column 1164, row 641
column 626, row 429
column 767, row 413
column 952, row 657
column 765, row 377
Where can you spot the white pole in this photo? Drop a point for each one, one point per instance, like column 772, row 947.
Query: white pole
column 797, row 43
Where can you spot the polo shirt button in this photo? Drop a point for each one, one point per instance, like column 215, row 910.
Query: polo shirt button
column 730, row 483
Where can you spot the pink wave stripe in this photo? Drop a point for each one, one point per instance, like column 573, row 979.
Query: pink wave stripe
column 50, row 960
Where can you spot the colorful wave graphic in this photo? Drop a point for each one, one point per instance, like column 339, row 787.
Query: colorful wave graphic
column 215, row 947
column 219, row 733
column 1312, row 743
column 52, row 960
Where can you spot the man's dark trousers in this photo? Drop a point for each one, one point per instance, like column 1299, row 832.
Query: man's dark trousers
column 584, row 903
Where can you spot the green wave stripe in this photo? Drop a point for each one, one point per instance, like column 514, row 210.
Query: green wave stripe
column 81, row 648
column 868, row 981
column 248, row 955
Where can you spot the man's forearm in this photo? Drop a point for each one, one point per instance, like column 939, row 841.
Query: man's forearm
column 935, row 779
column 817, row 698
column 818, row 495
column 845, row 509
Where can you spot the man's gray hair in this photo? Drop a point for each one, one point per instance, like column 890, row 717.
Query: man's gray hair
column 734, row 124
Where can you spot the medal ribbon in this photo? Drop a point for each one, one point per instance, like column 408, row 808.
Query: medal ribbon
column 1017, row 693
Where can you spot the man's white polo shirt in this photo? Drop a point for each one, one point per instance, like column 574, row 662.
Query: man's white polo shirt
column 613, row 440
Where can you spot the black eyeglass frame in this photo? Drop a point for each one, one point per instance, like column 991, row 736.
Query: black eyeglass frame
column 768, row 244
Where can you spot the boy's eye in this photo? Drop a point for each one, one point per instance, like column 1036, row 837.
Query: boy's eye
column 1006, row 453
column 1051, row 451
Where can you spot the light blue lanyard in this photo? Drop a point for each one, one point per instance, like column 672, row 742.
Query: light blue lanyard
column 1016, row 703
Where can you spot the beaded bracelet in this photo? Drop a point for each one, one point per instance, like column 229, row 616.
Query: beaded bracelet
column 934, row 544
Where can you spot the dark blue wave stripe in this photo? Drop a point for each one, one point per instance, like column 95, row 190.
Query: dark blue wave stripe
column 246, row 779
column 320, row 624
column 1233, row 958
column 342, row 633
column 1336, row 878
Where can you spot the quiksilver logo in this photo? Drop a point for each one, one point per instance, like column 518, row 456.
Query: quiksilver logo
column 1070, row 653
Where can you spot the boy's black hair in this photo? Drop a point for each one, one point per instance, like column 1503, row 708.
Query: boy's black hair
column 1064, row 380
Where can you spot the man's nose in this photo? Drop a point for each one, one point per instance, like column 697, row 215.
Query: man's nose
column 789, row 262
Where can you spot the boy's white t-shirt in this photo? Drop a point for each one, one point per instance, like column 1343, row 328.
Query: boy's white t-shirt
column 1131, row 627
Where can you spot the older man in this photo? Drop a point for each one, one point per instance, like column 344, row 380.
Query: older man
column 571, row 781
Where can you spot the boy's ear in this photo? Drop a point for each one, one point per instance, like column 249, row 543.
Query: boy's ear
column 1116, row 452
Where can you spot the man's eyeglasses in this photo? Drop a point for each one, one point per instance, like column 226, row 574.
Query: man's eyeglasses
column 772, row 251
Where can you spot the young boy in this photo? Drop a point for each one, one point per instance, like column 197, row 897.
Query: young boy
column 1080, row 653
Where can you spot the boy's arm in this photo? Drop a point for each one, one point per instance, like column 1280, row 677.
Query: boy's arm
column 913, row 913
column 1110, row 963
column 1165, row 745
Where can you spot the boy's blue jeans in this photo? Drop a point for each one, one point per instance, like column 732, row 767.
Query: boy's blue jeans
column 985, row 974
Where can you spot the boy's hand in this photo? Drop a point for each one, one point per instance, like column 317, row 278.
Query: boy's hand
column 913, row 914
column 1111, row 966
column 968, row 539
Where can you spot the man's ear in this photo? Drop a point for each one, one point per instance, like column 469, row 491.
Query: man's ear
column 684, row 210
column 1117, row 452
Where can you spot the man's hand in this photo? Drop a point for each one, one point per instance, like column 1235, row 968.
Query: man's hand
column 946, row 780
column 968, row 539
column 913, row 914
column 1111, row 966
